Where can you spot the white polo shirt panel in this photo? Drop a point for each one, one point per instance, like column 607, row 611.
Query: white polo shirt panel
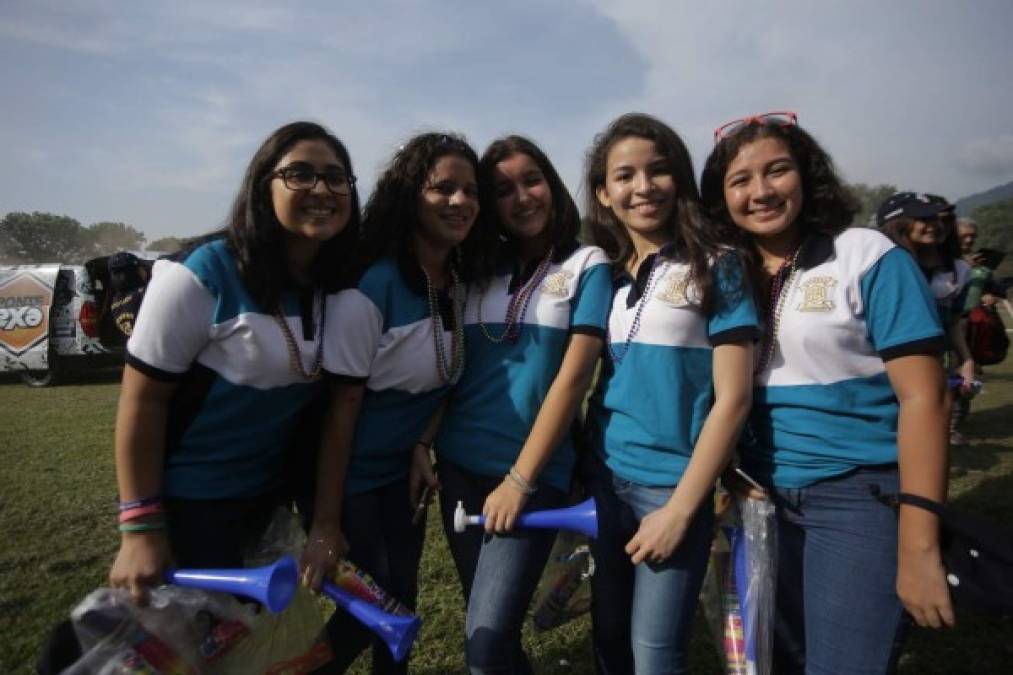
column 494, row 406
column 824, row 405
column 650, row 405
column 385, row 337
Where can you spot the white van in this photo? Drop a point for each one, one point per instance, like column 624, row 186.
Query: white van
column 55, row 319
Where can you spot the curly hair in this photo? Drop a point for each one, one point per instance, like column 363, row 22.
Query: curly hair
column 257, row 239
column 391, row 216
column 688, row 229
column 564, row 220
column 827, row 205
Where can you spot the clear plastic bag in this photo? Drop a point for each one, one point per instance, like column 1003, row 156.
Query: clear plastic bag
column 564, row 592
column 186, row 631
column 739, row 589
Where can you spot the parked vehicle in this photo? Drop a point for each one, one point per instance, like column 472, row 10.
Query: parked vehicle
column 55, row 319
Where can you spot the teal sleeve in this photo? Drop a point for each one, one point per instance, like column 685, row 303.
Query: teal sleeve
column 592, row 301
column 900, row 312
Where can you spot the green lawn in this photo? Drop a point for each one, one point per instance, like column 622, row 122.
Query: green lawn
column 57, row 537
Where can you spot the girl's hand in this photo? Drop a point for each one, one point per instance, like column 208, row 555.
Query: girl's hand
column 658, row 536
column 967, row 371
column 324, row 548
column 502, row 507
column 141, row 562
column 421, row 473
column 921, row 586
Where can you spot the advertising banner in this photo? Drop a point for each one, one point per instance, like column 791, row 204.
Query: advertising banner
column 26, row 298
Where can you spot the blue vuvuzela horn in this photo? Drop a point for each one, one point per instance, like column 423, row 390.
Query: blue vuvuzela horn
column 272, row 585
column 581, row 518
column 396, row 630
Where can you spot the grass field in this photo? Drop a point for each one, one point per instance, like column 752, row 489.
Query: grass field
column 57, row 540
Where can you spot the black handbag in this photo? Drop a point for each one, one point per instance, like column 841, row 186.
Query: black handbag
column 977, row 555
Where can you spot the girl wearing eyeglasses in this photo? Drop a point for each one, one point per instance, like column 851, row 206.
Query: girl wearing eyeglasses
column 534, row 330
column 226, row 352
column 402, row 346
column 848, row 400
column 673, row 394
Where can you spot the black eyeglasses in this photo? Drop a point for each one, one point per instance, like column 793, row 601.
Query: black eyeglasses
column 302, row 176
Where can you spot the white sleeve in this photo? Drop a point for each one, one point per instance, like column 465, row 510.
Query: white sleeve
column 173, row 324
column 354, row 326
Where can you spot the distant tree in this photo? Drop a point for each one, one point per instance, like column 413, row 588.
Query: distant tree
column 166, row 245
column 42, row 237
column 107, row 238
column 870, row 197
column 995, row 225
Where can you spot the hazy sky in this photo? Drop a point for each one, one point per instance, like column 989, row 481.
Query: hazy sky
column 147, row 112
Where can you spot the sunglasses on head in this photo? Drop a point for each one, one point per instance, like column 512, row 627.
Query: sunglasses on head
column 781, row 119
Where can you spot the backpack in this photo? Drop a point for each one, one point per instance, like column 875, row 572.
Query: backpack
column 986, row 336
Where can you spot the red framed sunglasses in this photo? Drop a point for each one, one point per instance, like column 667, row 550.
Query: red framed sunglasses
column 782, row 118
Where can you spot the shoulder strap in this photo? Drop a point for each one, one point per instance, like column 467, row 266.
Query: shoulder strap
column 922, row 503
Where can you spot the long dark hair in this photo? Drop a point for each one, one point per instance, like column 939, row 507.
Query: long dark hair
column 255, row 236
column 391, row 214
column 688, row 230
column 899, row 231
column 564, row 221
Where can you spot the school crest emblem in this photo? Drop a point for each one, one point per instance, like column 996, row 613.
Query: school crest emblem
column 673, row 288
column 557, row 284
column 816, row 294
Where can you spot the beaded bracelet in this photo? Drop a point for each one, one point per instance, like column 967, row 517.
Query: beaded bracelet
column 142, row 527
column 143, row 501
column 131, row 514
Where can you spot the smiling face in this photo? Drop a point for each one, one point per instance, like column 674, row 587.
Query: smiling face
column 925, row 232
column 763, row 190
column 523, row 197
column 448, row 202
column 639, row 188
column 314, row 215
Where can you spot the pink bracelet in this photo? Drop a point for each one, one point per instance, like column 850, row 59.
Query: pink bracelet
column 139, row 511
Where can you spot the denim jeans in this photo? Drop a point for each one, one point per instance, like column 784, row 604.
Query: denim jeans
column 837, row 607
column 499, row 573
column 642, row 615
column 383, row 542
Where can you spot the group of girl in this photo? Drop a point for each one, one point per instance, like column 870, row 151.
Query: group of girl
column 462, row 319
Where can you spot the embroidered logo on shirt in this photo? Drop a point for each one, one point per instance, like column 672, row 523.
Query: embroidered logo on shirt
column 557, row 284
column 673, row 289
column 816, row 294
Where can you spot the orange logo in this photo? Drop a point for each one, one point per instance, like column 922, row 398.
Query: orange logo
column 24, row 313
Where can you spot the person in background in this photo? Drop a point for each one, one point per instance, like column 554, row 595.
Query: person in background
column 225, row 354
column 400, row 350
column 534, row 329
column 849, row 398
column 981, row 289
column 923, row 224
column 671, row 399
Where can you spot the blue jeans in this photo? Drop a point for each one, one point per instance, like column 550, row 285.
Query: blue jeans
column 383, row 542
column 499, row 573
column 642, row 614
column 837, row 606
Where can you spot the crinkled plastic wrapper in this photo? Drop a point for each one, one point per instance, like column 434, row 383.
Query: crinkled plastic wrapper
column 739, row 589
column 186, row 631
column 564, row 592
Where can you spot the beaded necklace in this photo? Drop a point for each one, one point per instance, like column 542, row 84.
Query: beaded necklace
column 294, row 355
column 449, row 371
column 518, row 306
column 642, row 301
column 780, row 289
